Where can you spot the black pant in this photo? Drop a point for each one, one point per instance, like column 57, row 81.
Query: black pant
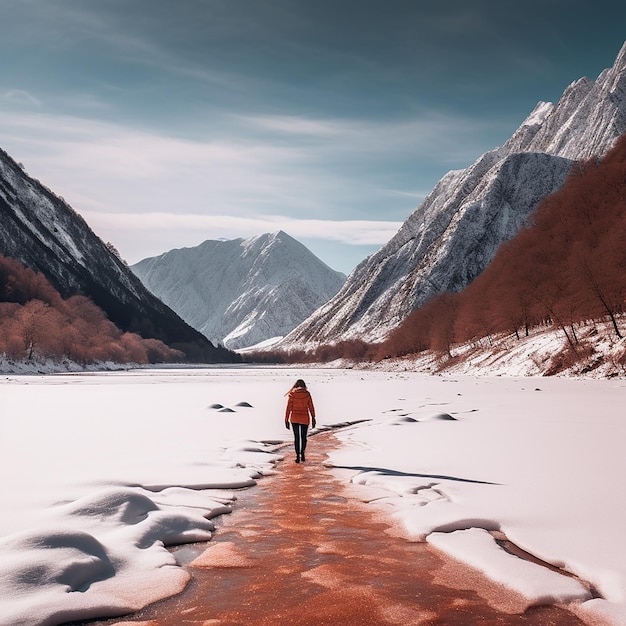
column 299, row 437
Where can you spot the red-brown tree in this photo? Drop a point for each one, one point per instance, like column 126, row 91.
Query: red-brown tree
column 36, row 322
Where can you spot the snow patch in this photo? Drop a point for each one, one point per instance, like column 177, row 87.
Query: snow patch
column 539, row 585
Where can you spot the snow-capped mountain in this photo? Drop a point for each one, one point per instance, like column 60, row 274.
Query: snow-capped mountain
column 44, row 233
column 452, row 236
column 242, row 292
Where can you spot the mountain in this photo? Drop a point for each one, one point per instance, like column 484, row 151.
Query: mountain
column 242, row 292
column 43, row 232
column 454, row 234
column 566, row 271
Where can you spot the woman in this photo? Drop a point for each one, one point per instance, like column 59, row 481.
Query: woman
column 299, row 408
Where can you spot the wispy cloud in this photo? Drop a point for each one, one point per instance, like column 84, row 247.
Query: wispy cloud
column 20, row 97
column 151, row 45
column 135, row 170
column 294, row 125
column 351, row 232
column 429, row 134
column 68, row 148
column 163, row 231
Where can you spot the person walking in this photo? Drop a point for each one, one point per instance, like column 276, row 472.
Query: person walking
column 300, row 412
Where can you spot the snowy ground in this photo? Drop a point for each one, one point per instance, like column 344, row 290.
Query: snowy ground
column 538, row 354
column 100, row 470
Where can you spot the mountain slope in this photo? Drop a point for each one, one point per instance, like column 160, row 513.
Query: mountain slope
column 244, row 291
column 566, row 270
column 45, row 234
column 452, row 236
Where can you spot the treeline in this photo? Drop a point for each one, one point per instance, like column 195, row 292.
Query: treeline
column 566, row 269
column 36, row 323
column 353, row 350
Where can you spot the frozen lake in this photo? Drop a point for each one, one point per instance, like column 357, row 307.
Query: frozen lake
column 100, row 470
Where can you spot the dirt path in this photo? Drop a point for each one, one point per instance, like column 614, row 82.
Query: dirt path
column 298, row 552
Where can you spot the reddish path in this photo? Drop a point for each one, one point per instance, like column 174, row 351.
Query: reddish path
column 295, row 551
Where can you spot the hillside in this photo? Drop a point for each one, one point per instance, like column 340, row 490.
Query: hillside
column 554, row 295
column 543, row 352
column 567, row 270
column 44, row 233
column 38, row 325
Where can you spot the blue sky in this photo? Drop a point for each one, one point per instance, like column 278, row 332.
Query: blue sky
column 165, row 123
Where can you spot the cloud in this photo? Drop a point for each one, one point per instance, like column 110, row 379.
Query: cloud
column 430, row 134
column 130, row 169
column 21, row 98
column 294, row 125
column 342, row 244
column 350, row 232
column 258, row 174
column 131, row 152
column 99, row 165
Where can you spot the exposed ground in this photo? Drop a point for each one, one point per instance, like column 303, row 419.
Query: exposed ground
column 298, row 550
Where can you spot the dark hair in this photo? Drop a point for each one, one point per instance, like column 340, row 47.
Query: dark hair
column 299, row 383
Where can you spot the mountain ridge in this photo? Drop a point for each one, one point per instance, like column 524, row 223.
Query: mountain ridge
column 423, row 258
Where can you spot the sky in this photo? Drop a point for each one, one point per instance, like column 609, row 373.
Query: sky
column 165, row 123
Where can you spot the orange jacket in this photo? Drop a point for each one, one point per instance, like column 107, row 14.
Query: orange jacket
column 299, row 406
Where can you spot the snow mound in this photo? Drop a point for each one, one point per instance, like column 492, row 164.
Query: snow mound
column 80, row 572
column 439, row 417
column 539, row 585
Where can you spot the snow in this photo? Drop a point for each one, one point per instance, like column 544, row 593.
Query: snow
column 475, row 546
column 100, row 471
column 539, row 460
column 539, row 114
column 531, row 355
column 263, row 345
